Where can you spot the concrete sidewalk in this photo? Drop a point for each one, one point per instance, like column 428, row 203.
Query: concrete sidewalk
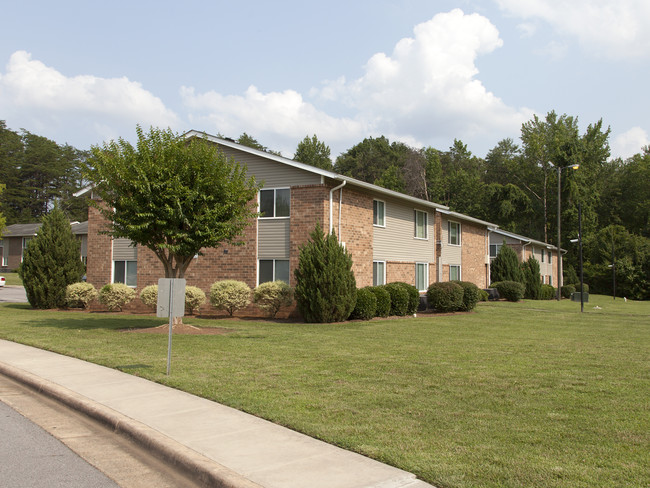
column 217, row 445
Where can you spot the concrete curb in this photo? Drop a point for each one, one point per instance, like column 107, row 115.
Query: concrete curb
column 192, row 463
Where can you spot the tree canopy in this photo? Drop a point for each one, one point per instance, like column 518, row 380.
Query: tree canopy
column 173, row 196
column 314, row 152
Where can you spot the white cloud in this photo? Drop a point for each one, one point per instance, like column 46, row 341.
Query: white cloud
column 629, row 143
column 619, row 28
column 39, row 96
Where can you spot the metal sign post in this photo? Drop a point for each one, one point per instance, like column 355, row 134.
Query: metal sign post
column 171, row 303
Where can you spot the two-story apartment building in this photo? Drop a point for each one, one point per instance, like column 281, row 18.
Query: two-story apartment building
column 390, row 236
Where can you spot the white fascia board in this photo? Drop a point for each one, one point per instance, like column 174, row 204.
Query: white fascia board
column 524, row 238
column 461, row 216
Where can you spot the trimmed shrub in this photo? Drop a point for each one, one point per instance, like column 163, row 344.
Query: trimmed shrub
column 532, row 279
column 230, row 295
column 326, row 290
column 414, row 297
column 505, row 267
column 470, row 295
column 366, row 305
column 512, row 291
column 586, row 287
column 399, row 299
column 272, row 296
column 445, row 296
column 115, row 295
column 548, row 292
column 567, row 290
column 483, row 295
column 149, row 296
column 194, row 298
column 383, row 300
column 79, row 295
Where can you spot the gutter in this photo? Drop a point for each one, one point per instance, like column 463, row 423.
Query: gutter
column 340, row 187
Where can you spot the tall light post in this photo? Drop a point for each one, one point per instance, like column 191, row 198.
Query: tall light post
column 579, row 241
column 559, row 226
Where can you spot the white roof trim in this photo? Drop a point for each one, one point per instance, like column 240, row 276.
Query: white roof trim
column 522, row 238
column 468, row 218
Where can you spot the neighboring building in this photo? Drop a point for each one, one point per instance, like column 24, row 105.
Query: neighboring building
column 15, row 238
column 390, row 236
column 525, row 247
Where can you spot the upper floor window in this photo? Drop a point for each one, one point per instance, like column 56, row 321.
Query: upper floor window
column 379, row 213
column 494, row 250
column 421, row 224
column 454, row 233
column 550, row 256
column 275, row 202
column 543, row 255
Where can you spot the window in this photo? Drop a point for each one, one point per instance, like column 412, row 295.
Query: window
column 273, row 270
column 379, row 213
column 494, row 250
column 543, row 255
column 2, row 252
column 550, row 280
column 378, row 273
column 422, row 276
column 454, row 233
column 420, row 224
column 275, row 202
column 25, row 244
column 125, row 272
column 454, row 272
column 550, row 257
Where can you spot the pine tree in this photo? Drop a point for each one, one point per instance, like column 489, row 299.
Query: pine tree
column 505, row 266
column 326, row 290
column 51, row 262
column 532, row 279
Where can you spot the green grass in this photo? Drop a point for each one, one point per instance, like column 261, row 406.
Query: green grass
column 12, row 279
column 525, row 394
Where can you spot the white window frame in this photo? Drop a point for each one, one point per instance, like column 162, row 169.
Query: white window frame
column 426, row 276
column 497, row 247
column 274, row 270
column 449, row 224
column 426, row 224
column 126, row 271
column 275, row 202
column 25, row 243
column 376, row 213
column 460, row 273
column 5, row 262
column 374, row 275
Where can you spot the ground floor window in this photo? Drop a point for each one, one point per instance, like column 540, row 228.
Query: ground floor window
column 273, row 270
column 378, row 273
column 421, row 276
column 125, row 272
column 454, row 272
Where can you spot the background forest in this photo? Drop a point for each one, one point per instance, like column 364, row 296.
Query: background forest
column 514, row 186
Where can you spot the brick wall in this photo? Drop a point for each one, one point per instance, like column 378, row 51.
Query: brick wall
column 474, row 249
column 98, row 268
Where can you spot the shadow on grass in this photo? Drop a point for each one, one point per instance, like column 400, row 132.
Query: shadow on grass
column 94, row 322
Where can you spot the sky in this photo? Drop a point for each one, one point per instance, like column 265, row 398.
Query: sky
column 423, row 72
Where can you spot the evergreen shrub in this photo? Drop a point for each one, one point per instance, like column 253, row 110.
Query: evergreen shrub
column 548, row 292
column 414, row 297
column 445, row 296
column 532, row 279
column 272, row 296
column 194, row 298
column 567, row 290
column 470, row 295
column 149, row 296
column 399, row 299
column 483, row 295
column 586, row 287
column 512, row 291
column 79, row 295
column 505, row 267
column 230, row 295
column 383, row 300
column 366, row 305
column 326, row 290
column 115, row 295
column 51, row 262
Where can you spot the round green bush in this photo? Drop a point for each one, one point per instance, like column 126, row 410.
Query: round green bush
column 445, row 296
column 230, row 295
column 383, row 300
column 513, row 291
column 414, row 297
column 194, row 298
column 149, row 296
column 483, row 295
column 399, row 299
column 470, row 295
column 79, row 295
column 548, row 292
column 366, row 305
column 272, row 296
column 585, row 285
column 567, row 290
column 116, row 295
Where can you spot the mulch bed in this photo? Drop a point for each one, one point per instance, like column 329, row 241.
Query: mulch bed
column 184, row 329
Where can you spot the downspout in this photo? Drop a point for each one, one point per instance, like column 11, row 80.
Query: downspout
column 489, row 260
column 523, row 251
column 331, row 210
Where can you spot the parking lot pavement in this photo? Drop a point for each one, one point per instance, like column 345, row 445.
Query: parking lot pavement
column 13, row 294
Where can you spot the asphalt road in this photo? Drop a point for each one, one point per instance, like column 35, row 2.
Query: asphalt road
column 30, row 457
column 13, row 294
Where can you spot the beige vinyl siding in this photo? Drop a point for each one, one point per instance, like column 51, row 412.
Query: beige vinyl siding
column 271, row 173
column 122, row 250
column 273, row 239
column 450, row 254
column 396, row 241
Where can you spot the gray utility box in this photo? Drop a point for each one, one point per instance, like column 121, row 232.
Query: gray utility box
column 575, row 297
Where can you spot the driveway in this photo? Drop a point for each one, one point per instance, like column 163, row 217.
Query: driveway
column 13, row 294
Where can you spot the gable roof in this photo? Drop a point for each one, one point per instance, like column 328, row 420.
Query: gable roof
column 528, row 240
column 30, row 230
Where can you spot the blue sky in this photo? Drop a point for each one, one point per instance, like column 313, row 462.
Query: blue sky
column 420, row 71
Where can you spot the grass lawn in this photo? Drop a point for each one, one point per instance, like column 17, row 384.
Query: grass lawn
column 526, row 394
column 12, row 279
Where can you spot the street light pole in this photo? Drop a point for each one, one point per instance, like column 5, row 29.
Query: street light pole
column 559, row 227
column 582, row 280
